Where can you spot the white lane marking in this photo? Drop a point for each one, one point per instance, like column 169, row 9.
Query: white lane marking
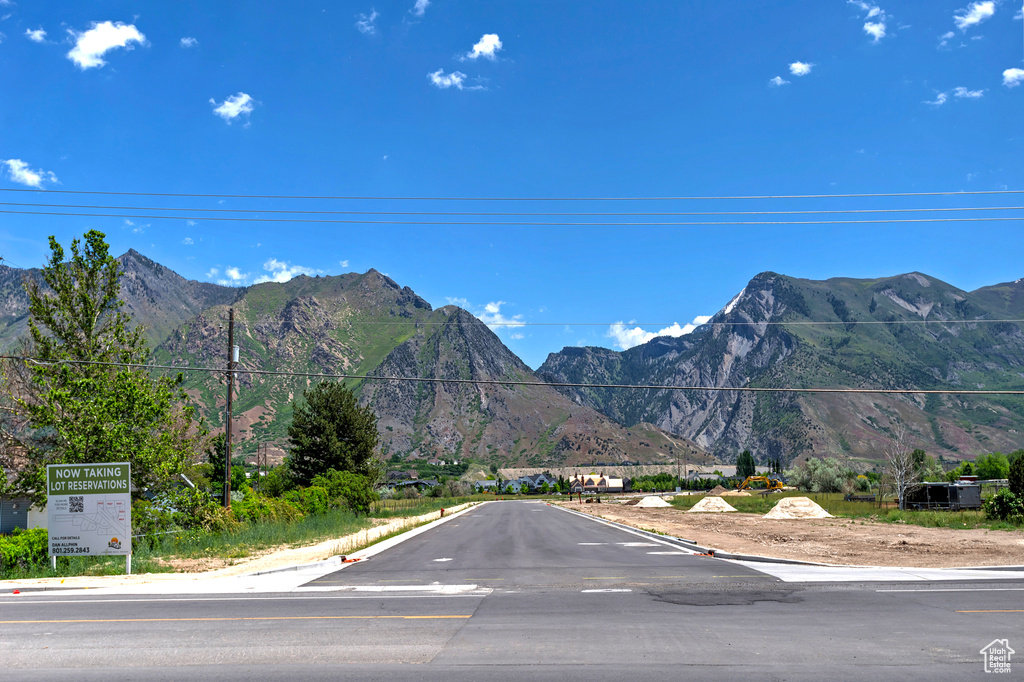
column 437, row 589
column 637, row 544
column 591, row 544
column 610, row 589
column 447, row 558
column 961, row 589
column 672, row 553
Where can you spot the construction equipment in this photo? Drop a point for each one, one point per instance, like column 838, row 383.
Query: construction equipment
column 772, row 484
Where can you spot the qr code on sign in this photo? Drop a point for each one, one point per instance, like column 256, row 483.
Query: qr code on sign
column 76, row 503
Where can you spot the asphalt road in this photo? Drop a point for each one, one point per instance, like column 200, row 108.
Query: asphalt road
column 521, row 591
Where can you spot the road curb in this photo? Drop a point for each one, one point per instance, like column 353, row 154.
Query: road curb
column 373, row 549
column 692, row 545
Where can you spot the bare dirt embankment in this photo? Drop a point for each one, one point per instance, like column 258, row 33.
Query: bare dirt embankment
column 831, row 541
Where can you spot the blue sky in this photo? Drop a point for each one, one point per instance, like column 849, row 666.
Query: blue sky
column 531, row 100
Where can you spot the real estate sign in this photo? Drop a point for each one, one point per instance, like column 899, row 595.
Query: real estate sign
column 89, row 508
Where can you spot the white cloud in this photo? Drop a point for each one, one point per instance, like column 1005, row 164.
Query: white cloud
column 778, row 81
column 233, row 107
column 626, row 338
column 1013, row 77
column 36, row 36
column 974, row 14
column 91, row 45
column 343, row 263
column 420, row 7
column 461, row 302
column 187, row 241
column 493, row 317
column 212, row 273
column 939, row 100
column 800, row 68
column 964, row 93
column 282, row 271
column 453, row 80
column 234, row 277
column 945, row 38
column 188, row 41
column 366, row 23
column 517, row 336
column 190, row 223
column 1019, row 15
column 487, row 47
column 19, row 172
column 874, row 22
column 875, row 29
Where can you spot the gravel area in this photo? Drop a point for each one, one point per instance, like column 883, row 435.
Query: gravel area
column 833, row 540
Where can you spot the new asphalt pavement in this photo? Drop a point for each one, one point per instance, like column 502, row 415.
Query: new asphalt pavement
column 519, row 590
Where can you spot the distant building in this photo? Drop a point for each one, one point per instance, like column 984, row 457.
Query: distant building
column 599, row 483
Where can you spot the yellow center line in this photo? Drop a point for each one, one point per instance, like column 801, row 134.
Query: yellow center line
column 189, row 620
column 995, row 611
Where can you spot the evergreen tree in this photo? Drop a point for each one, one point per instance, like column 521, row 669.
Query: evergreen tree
column 88, row 393
column 330, row 432
column 745, row 465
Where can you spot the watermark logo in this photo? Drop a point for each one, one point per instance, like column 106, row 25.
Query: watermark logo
column 116, row 544
column 997, row 656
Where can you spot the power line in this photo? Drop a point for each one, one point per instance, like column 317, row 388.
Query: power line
column 442, row 223
column 852, row 211
column 833, row 323
column 566, row 199
column 501, row 382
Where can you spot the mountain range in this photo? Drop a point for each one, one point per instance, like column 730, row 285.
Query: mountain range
column 906, row 331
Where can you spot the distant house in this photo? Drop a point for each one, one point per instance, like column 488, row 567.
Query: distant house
column 599, row 483
column 419, row 484
column 18, row 512
column 537, row 481
column 485, row 485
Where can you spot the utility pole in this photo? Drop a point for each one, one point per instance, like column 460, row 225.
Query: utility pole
column 232, row 359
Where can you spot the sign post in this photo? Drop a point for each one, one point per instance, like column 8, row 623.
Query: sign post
column 89, row 510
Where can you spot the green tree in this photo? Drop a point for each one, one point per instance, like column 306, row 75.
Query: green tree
column 215, row 453
column 745, row 465
column 329, row 431
column 994, row 465
column 1016, row 476
column 89, row 394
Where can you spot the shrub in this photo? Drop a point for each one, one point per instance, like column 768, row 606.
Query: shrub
column 345, row 488
column 255, row 507
column 23, row 549
column 311, row 500
column 826, row 475
column 1005, row 506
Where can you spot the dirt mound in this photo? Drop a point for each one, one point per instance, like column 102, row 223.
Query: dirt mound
column 797, row 508
column 652, row 501
column 717, row 490
column 735, row 493
column 632, row 502
column 711, row 504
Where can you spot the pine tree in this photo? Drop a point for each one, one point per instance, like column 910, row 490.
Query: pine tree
column 745, row 465
column 330, row 432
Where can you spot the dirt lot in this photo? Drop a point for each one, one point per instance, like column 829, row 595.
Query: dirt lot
column 832, row 541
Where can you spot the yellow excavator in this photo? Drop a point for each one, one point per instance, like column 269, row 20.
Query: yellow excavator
column 772, row 484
